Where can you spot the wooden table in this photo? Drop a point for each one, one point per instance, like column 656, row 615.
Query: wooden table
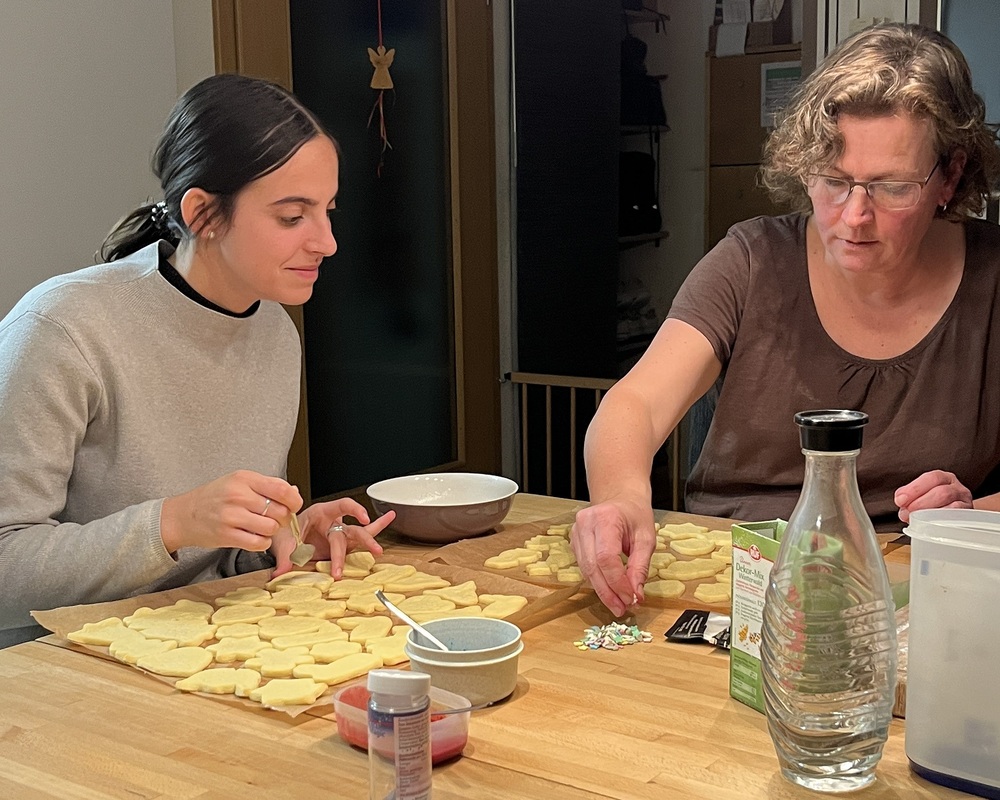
column 647, row 721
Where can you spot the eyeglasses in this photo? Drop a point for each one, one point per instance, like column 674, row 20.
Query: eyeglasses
column 887, row 195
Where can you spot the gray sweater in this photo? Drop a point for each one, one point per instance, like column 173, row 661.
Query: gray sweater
column 117, row 391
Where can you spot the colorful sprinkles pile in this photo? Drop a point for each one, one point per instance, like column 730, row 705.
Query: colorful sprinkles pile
column 613, row 636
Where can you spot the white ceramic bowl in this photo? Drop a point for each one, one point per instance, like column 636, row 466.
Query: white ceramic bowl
column 444, row 506
column 480, row 663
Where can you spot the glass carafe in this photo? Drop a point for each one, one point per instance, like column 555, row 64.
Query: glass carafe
column 828, row 649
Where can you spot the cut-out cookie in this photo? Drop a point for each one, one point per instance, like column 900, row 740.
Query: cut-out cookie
column 371, row 628
column 134, row 646
column 232, row 648
column 279, row 663
column 305, row 578
column 231, row 615
column 100, row 633
column 343, row 669
column 222, row 680
column 244, row 596
column 463, row 594
column 288, row 692
column 181, row 662
column 328, row 652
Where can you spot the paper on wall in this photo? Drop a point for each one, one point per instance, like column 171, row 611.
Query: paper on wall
column 731, row 39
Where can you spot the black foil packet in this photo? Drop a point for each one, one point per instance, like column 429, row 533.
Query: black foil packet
column 697, row 625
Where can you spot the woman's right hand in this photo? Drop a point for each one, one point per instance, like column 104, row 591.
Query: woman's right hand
column 243, row 509
column 600, row 535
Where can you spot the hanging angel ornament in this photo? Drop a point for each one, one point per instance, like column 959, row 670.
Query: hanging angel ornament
column 381, row 60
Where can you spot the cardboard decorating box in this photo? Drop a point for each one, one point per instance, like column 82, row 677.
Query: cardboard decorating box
column 755, row 546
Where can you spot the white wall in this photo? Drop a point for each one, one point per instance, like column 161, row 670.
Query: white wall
column 974, row 25
column 86, row 88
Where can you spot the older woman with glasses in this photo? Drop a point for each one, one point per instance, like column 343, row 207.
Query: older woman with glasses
column 880, row 294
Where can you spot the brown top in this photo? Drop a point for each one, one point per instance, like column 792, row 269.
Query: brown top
column 936, row 406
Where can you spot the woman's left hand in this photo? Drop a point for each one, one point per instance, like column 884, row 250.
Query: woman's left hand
column 323, row 526
column 935, row 489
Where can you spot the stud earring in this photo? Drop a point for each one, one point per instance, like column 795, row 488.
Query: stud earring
column 211, row 234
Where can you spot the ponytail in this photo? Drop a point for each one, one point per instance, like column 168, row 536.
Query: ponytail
column 147, row 224
column 224, row 133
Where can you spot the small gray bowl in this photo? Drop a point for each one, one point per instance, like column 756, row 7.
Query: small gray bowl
column 481, row 662
column 444, row 507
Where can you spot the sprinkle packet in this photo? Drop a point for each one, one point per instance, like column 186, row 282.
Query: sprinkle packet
column 696, row 625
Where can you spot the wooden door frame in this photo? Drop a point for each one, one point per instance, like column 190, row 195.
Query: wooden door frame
column 253, row 37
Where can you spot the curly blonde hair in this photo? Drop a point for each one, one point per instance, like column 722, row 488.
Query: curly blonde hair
column 881, row 70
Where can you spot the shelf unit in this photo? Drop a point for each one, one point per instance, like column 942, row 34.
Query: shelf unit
column 647, row 15
column 653, row 131
column 626, row 242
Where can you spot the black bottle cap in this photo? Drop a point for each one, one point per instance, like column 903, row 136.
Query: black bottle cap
column 831, row 430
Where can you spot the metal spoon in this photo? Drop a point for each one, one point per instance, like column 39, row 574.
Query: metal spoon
column 303, row 553
column 413, row 624
column 445, row 711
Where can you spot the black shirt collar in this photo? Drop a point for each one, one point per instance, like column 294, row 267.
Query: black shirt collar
column 175, row 279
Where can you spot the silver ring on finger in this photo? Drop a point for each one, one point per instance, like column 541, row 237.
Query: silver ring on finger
column 336, row 529
column 267, row 505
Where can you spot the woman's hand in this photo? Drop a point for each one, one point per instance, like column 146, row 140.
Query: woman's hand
column 243, row 509
column 935, row 489
column 323, row 526
column 600, row 535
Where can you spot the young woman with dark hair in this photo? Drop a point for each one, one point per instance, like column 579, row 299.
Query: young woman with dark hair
column 149, row 402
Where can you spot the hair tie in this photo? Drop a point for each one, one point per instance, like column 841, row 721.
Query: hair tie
column 160, row 217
